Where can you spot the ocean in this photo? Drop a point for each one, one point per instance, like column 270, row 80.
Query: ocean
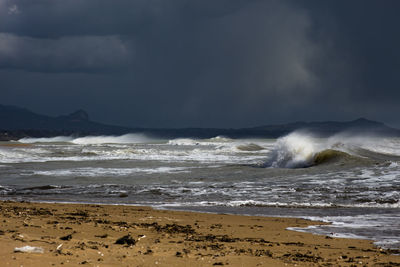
column 351, row 181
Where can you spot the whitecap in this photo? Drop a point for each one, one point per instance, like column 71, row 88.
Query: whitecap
column 57, row 139
column 123, row 139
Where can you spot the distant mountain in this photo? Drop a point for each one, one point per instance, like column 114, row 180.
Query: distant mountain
column 18, row 122
column 323, row 129
column 22, row 122
column 327, row 128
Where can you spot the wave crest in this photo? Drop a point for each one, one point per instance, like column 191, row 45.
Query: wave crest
column 136, row 138
column 299, row 150
column 123, row 139
column 250, row 147
column 293, row 151
column 57, row 139
column 330, row 155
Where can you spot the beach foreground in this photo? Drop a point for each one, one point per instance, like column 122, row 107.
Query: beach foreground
column 106, row 235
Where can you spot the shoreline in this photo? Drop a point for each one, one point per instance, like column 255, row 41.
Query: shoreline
column 392, row 249
column 121, row 235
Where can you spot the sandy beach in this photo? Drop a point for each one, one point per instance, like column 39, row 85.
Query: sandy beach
column 106, row 235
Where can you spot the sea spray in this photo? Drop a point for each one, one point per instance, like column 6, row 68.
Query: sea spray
column 295, row 150
column 301, row 150
column 136, row 138
column 57, row 139
column 123, row 139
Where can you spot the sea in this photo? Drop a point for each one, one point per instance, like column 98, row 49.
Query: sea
column 349, row 180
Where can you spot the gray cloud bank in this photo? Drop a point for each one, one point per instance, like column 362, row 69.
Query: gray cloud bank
column 202, row 63
column 82, row 53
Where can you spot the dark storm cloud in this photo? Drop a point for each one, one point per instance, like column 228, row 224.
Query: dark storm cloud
column 57, row 18
column 364, row 37
column 201, row 63
column 87, row 53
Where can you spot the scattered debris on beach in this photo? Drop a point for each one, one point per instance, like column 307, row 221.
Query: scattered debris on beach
column 29, row 249
column 140, row 236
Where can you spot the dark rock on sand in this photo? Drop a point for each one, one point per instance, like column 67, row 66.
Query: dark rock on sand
column 126, row 240
column 66, row 238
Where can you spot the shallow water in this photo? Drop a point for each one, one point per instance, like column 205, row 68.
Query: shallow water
column 351, row 181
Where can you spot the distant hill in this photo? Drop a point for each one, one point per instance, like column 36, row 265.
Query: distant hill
column 22, row 122
column 327, row 128
column 18, row 122
column 323, row 129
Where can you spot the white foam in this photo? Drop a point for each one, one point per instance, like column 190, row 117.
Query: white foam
column 93, row 172
column 57, row 139
column 380, row 227
column 298, row 149
column 135, row 147
column 125, row 152
column 123, row 139
column 394, row 165
column 135, row 138
column 294, row 150
column 215, row 141
column 15, row 155
column 184, row 142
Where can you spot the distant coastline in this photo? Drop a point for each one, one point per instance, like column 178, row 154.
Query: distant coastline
column 17, row 123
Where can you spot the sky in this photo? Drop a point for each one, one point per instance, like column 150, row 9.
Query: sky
column 202, row 63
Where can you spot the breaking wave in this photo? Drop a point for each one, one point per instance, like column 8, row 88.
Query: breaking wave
column 91, row 140
column 331, row 155
column 123, row 139
column 293, row 151
column 57, row 139
column 301, row 150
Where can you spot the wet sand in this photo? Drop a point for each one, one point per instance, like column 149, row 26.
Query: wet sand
column 106, row 235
